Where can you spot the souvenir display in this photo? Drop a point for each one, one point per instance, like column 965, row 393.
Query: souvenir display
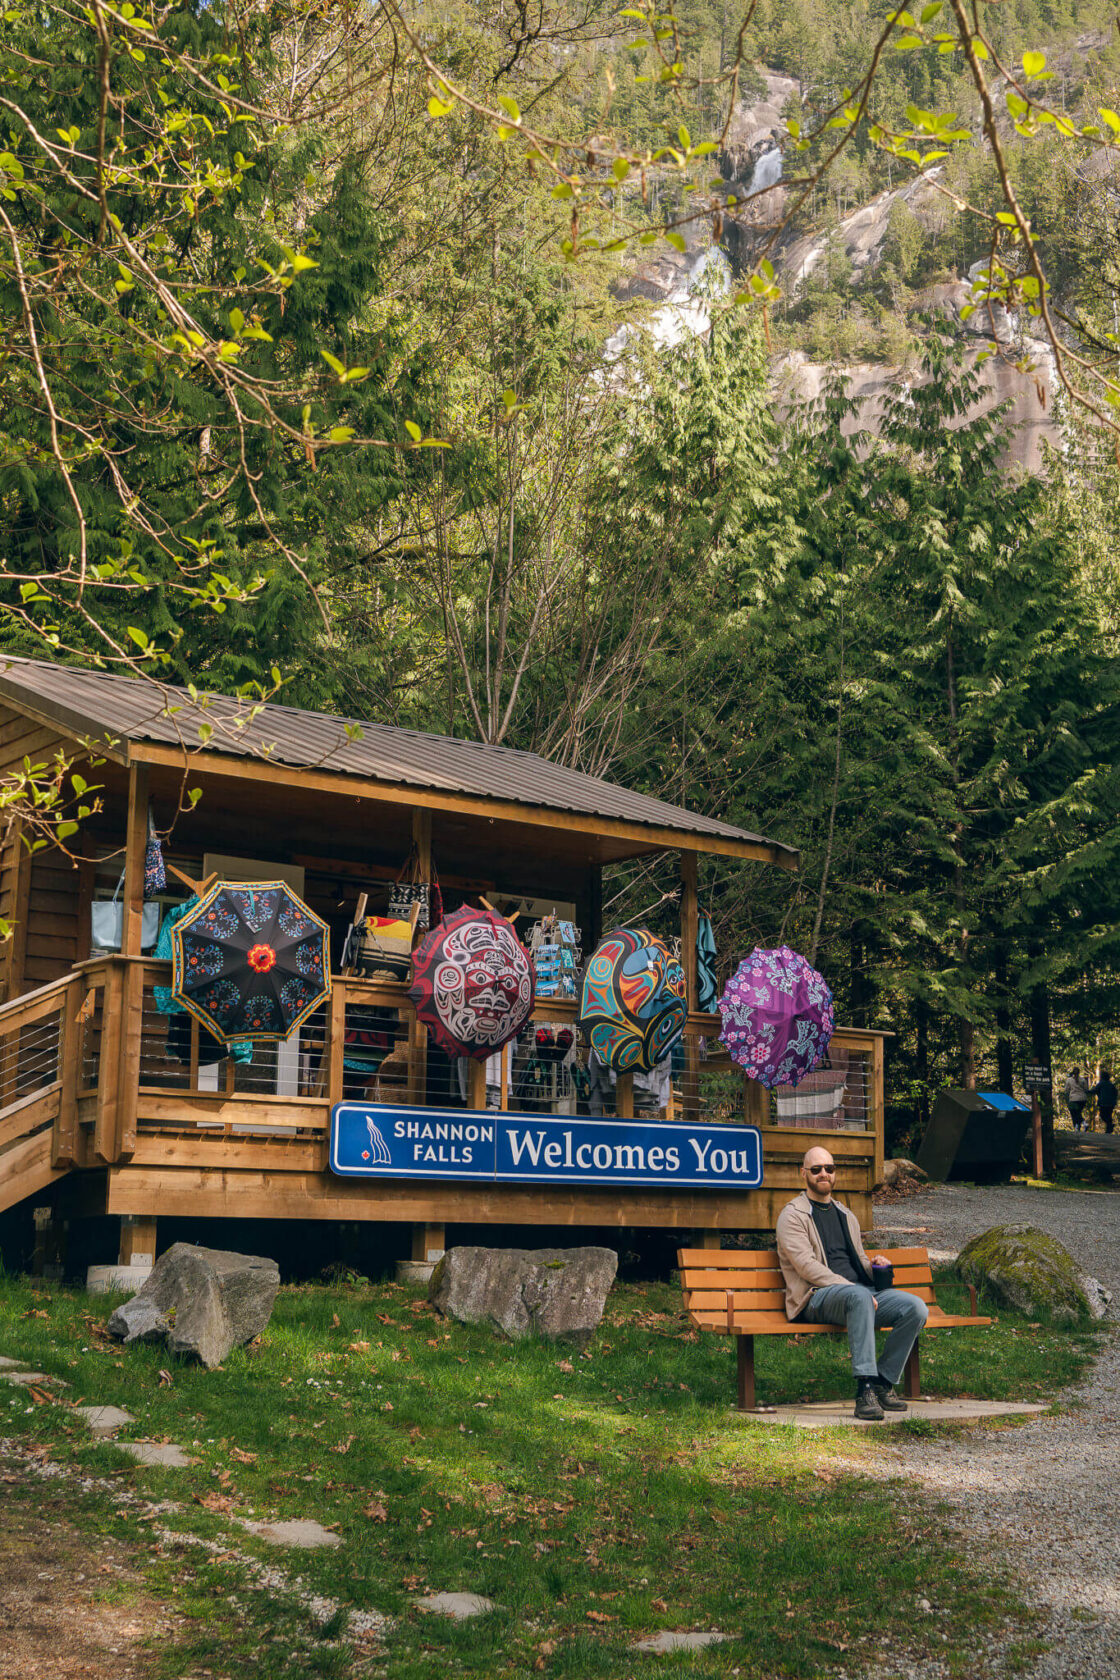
column 554, row 946
column 777, row 1017
column 155, row 872
column 632, row 1007
column 250, row 960
column 472, row 983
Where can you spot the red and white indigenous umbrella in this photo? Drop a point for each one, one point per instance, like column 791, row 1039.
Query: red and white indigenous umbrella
column 472, row 983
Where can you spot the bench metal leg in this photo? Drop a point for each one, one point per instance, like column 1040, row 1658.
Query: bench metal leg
column 912, row 1376
column 745, row 1361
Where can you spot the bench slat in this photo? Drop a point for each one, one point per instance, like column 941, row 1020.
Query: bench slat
column 763, row 1259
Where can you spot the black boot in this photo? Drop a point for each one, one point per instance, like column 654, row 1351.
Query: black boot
column 886, row 1396
column 867, row 1401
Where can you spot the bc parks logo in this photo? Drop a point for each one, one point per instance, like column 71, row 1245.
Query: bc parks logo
column 378, row 1140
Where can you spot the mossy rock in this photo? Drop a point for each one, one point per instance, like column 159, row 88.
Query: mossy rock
column 1027, row 1269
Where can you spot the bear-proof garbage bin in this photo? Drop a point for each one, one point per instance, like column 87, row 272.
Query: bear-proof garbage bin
column 977, row 1135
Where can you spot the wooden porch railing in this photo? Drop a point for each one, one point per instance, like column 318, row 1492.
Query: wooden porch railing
column 39, row 1039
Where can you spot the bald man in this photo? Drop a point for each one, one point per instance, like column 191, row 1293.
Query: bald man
column 828, row 1281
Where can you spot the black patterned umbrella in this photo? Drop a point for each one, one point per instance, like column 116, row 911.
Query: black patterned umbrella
column 250, row 960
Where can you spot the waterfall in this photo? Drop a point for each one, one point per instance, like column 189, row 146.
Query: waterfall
column 767, row 172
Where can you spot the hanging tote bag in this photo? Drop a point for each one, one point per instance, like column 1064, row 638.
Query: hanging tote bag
column 409, row 889
column 107, row 923
column 155, row 875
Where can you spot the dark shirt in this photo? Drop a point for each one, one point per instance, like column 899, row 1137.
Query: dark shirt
column 839, row 1255
column 1105, row 1093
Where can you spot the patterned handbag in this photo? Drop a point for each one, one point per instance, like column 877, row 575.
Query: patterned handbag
column 155, row 875
column 385, row 947
column 409, row 889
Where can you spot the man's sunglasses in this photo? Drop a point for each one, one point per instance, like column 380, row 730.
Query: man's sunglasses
column 828, row 1169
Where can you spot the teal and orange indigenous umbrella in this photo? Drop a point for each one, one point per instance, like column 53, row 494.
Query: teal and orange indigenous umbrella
column 250, row 960
column 632, row 1005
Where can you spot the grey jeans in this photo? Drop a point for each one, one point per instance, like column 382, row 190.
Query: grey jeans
column 901, row 1313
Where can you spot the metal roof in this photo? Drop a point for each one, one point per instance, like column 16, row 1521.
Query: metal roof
column 98, row 704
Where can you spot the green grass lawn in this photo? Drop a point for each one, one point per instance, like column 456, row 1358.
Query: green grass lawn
column 594, row 1498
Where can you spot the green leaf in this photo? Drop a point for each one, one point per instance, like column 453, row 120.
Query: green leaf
column 684, row 137
column 236, row 319
column 333, row 363
column 675, row 240
column 65, row 830
column 340, row 434
column 1110, row 118
column 413, row 430
column 1034, row 63
column 510, row 107
column 139, row 636
column 300, row 262
column 437, row 108
column 620, row 169
column 352, row 375
column 510, row 400
column 928, row 13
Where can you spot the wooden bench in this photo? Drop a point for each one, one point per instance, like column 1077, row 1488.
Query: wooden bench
column 742, row 1293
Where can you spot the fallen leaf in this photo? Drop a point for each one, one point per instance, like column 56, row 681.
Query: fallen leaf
column 343, row 1446
column 242, row 1457
column 416, row 1433
column 165, row 1379
column 659, row 1604
column 358, row 1347
column 599, row 1616
column 566, row 1365
column 214, row 1502
column 376, row 1512
column 335, row 1321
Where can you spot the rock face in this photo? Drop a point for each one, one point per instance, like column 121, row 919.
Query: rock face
column 201, row 1301
column 1028, row 1270
column 558, row 1293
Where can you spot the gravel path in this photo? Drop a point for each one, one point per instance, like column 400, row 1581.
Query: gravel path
column 1044, row 1498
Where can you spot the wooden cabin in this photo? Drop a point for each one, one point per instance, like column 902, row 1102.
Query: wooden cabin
column 105, row 1110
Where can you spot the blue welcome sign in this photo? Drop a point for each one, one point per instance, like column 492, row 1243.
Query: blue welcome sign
column 381, row 1140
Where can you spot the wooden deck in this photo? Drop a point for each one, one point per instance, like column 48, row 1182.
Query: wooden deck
column 89, row 1085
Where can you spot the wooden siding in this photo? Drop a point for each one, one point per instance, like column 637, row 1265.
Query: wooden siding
column 42, row 910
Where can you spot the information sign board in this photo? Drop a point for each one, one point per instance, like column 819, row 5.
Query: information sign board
column 381, row 1140
column 1036, row 1076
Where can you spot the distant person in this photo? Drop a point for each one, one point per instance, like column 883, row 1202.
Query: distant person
column 829, row 1280
column 1077, row 1095
column 1106, row 1094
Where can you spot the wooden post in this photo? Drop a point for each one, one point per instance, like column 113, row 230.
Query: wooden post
column 335, row 1047
column 878, row 1112
column 476, row 1083
column 418, row 1032
column 105, row 1140
column 428, row 1242
column 710, row 1239
column 138, row 1240
column 690, row 922
column 131, row 1030
column 64, row 1142
column 756, row 1103
column 624, row 1096
column 1036, row 1132
column 136, row 841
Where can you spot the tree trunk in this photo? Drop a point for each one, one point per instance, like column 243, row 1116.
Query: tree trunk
column 1005, row 1070
column 1039, row 1004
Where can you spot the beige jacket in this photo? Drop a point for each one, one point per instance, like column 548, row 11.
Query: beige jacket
column 801, row 1253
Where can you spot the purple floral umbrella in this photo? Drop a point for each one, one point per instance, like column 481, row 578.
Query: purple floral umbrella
column 777, row 1017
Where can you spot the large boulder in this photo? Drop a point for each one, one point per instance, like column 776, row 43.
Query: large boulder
column 1027, row 1269
column 557, row 1293
column 901, row 1175
column 201, row 1301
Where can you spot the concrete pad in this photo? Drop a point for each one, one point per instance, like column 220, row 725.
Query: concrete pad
column 824, row 1414
column 665, row 1641
column 7, row 1364
column 103, row 1420
column 155, row 1452
column 25, row 1378
column 459, row 1605
column 296, row 1531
